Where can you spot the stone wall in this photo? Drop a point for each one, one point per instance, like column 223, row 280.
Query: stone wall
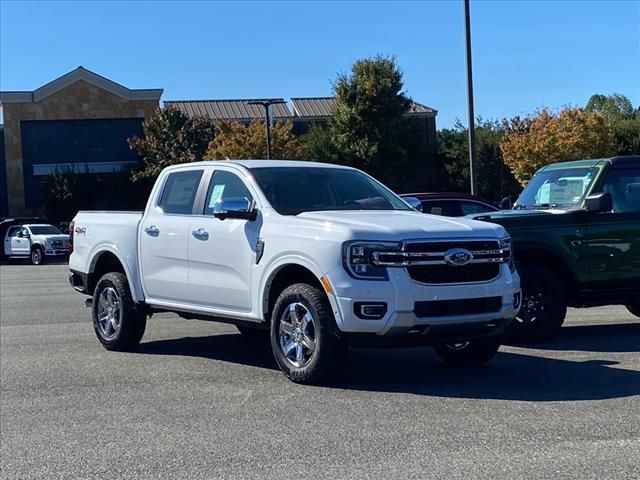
column 80, row 100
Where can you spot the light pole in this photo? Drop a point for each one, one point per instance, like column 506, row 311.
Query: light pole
column 266, row 104
column 471, row 116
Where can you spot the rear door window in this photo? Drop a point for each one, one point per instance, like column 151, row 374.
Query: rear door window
column 470, row 208
column 179, row 193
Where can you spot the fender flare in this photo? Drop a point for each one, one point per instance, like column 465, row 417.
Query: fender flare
column 134, row 285
column 278, row 264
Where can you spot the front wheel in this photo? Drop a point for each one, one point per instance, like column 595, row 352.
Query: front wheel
column 37, row 256
column 468, row 353
column 634, row 309
column 304, row 338
column 544, row 306
column 118, row 322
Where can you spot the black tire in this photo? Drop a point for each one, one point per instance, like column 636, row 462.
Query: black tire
column 132, row 320
column 544, row 306
column 37, row 256
column 253, row 332
column 468, row 354
column 329, row 349
column 634, row 309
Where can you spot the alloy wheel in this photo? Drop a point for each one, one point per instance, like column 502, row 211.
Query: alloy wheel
column 109, row 313
column 297, row 335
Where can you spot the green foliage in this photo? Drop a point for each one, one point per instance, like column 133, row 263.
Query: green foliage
column 495, row 180
column 171, row 138
column 622, row 118
column 368, row 129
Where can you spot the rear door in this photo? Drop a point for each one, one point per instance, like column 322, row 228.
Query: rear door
column 613, row 238
column 164, row 237
column 222, row 253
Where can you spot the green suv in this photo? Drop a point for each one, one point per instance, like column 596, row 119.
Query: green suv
column 576, row 235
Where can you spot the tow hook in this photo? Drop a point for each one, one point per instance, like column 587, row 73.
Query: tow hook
column 88, row 302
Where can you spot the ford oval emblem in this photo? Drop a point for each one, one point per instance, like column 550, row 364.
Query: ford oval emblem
column 458, row 257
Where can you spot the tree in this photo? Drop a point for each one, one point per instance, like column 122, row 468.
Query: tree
column 171, row 137
column 532, row 142
column 235, row 140
column 622, row 118
column 495, row 180
column 368, row 129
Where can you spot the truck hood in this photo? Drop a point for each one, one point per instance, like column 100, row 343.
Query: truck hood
column 518, row 213
column 403, row 225
column 42, row 238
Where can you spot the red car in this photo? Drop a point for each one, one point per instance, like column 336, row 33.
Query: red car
column 451, row 204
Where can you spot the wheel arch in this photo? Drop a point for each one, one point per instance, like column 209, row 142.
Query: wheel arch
column 281, row 277
column 105, row 261
column 549, row 257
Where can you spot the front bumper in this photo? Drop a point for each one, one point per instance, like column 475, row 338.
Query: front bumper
column 403, row 318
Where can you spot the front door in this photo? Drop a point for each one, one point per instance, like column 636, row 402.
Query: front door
column 222, row 252
column 17, row 242
column 613, row 238
column 164, row 238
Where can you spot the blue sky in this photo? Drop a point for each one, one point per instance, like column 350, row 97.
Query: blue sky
column 526, row 54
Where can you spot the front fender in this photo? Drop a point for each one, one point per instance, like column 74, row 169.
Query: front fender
column 276, row 264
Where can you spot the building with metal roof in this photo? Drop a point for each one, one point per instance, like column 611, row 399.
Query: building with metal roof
column 237, row 110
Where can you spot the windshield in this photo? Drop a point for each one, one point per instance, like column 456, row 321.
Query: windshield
column 45, row 230
column 563, row 188
column 293, row 190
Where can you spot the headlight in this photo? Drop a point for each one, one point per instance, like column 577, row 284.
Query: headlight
column 358, row 259
column 47, row 243
column 507, row 247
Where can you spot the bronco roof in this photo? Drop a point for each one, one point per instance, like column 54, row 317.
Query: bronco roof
column 627, row 161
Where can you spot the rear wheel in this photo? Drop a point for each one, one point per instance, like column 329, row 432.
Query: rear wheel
column 37, row 256
column 544, row 306
column 304, row 338
column 468, row 353
column 118, row 322
column 634, row 308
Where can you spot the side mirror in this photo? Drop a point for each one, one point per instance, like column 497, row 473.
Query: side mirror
column 235, row 207
column 20, row 234
column 600, row 202
column 506, row 203
column 413, row 202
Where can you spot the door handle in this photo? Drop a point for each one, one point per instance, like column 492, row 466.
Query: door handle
column 200, row 234
column 152, row 230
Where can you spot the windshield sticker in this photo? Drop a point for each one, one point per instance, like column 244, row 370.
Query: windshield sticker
column 216, row 195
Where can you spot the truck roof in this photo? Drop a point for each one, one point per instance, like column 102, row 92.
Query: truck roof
column 257, row 163
column 627, row 161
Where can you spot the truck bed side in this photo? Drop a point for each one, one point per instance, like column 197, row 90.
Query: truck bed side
column 97, row 234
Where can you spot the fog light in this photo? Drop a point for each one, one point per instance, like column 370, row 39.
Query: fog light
column 370, row 311
column 516, row 300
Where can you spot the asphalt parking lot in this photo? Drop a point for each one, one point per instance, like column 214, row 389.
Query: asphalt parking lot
column 198, row 400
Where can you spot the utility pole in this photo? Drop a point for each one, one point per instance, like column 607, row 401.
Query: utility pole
column 266, row 104
column 470, row 114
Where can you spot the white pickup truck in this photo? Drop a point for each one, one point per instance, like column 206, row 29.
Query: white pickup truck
column 317, row 256
column 38, row 242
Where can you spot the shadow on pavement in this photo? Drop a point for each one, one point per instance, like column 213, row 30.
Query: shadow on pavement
column 509, row 376
column 623, row 337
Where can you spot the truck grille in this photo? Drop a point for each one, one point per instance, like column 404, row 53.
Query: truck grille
column 445, row 308
column 432, row 262
column 478, row 272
